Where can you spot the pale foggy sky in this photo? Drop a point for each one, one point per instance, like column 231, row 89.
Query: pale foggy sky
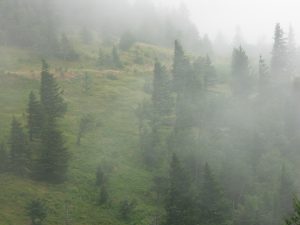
column 256, row 18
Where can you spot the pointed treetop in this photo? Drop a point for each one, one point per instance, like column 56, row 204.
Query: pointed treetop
column 45, row 66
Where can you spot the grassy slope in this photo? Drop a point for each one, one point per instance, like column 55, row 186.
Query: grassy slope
column 113, row 142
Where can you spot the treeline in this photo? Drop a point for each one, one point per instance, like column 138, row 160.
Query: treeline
column 248, row 133
column 44, row 26
column 37, row 149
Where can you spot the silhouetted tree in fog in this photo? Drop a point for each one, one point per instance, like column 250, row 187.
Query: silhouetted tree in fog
column 34, row 118
column 178, row 202
column 240, row 72
column 20, row 159
column 279, row 53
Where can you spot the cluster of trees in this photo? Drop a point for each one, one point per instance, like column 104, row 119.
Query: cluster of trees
column 20, row 27
column 38, row 151
column 110, row 20
column 112, row 60
column 242, row 131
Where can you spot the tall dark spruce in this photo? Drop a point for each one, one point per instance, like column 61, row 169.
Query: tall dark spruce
column 53, row 160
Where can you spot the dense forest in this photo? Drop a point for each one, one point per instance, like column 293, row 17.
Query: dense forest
column 114, row 112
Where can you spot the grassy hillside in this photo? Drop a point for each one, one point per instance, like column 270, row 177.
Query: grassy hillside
column 113, row 142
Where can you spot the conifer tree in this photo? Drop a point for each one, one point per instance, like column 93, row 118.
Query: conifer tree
column 86, row 36
column 240, row 72
column 210, row 75
column 52, row 102
column 127, row 41
column 34, row 118
column 263, row 73
column 285, row 195
column 212, row 206
column 3, row 158
column 207, row 45
column 19, row 151
column 37, row 212
column 291, row 53
column 161, row 95
column 116, row 61
column 180, row 69
column 67, row 51
column 294, row 219
column 279, row 53
column 103, row 198
column 53, row 161
column 178, row 201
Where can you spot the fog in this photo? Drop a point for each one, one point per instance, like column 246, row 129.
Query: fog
column 256, row 17
column 149, row 112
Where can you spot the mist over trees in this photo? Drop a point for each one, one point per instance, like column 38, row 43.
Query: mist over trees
column 108, row 19
column 167, row 127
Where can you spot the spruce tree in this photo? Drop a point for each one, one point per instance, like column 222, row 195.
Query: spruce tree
column 52, row 102
column 210, row 75
column 263, row 73
column 291, row 54
column 116, row 61
column 285, row 195
column 34, row 118
column 180, row 69
column 37, row 212
column 19, row 151
column 279, row 53
column 52, row 163
column 178, row 201
column 53, row 160
column 294, row 219
column 212, row 206
column 3, row 158
column 240, row 72
column 103, row 198
column 127, row 41
column 161, row 95
column 67, row 51
column 187, row 86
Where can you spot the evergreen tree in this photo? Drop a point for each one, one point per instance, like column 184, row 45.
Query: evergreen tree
column 103, row 198
column 294, row 219
column 210, row 75
column 127, row 41
column 34, row 118
column 19, row 151
column 52, row 102
column 150, row 146
column 116, row 61
column 52, row 163
column 3, row 158
column 37, row 212
column 100, row 177
column 67, row 51
column 187, row 84
column 291, row 53
column 85, row 124
column 126, row 208
column 279, row 53
column 207, row 45
column 53, row 160
column 178, row 201
column 87, row 83
column 285, row 195
column 240, row 72
column 263, row 73
column 161, row 95
column 180, row 69
column 212, row 207
column 86, row 36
